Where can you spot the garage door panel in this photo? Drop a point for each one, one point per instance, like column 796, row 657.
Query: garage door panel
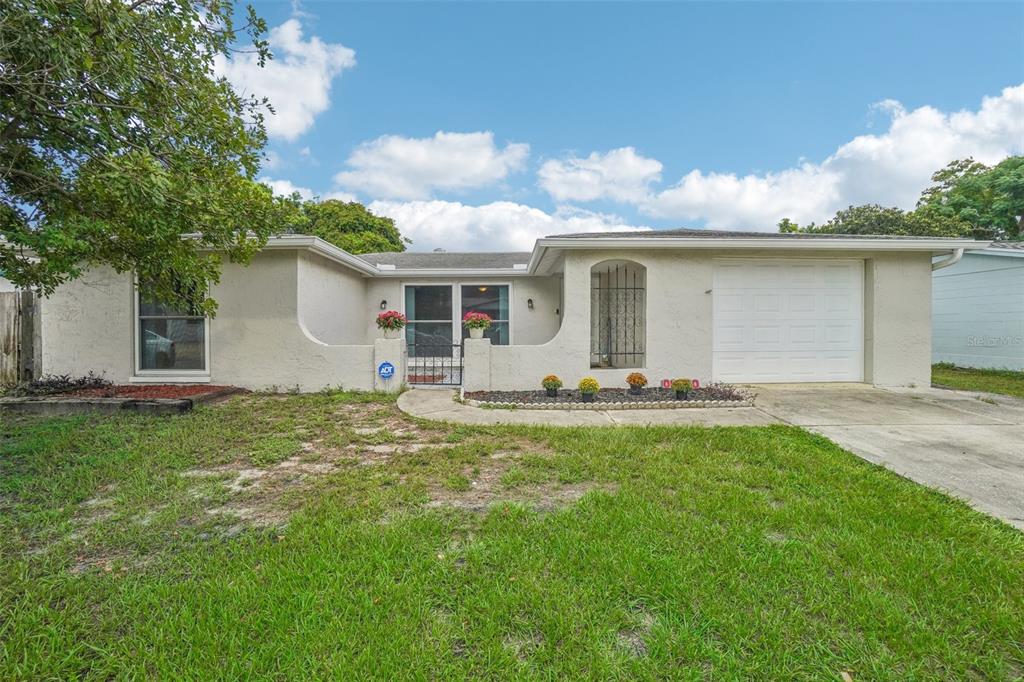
column 788, row 321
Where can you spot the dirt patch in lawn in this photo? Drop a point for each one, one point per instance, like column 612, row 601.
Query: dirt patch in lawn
column 379, row 443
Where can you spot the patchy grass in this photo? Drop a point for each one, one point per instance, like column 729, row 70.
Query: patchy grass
column 1003, row 381
column 329, row 535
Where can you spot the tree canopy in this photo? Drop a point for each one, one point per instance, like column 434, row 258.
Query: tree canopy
column 968, row 199
column 116, row 140
column 348, row 225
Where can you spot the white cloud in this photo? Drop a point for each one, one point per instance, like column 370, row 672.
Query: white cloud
column 286, row 188
column 395, row 167
column 340, row 196
column 297, row 81
column 498, row 226
column 620, row 174
column 890, row 168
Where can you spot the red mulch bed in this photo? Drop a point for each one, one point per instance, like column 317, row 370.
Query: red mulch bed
column 145, row 391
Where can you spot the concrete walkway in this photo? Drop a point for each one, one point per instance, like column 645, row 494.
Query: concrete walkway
column 967, row 444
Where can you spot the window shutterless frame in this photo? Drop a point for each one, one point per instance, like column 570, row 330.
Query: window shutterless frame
column 456, row 293
column 167, row 375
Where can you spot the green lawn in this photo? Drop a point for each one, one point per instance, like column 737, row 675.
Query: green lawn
column 138, row 547
column 1003, row 381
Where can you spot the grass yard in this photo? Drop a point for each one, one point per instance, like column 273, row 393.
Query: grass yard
column 1003, row 381
column 331, row 536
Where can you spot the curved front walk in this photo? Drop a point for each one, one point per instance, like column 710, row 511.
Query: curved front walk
column 968, row 444
column 442, row 406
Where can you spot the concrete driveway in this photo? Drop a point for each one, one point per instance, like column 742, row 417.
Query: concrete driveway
column 970, row 445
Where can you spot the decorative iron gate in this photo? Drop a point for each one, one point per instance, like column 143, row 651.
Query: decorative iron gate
column 617, row 319
column 434, row 364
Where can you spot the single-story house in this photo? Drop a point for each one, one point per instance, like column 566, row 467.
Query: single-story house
column 978, row 309
column 735, row 307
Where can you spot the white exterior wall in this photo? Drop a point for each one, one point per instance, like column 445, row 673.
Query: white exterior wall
column 293, row 319
column 5, row 285
column 978, row 312
column 679, row 320
column 87, row 326
column 332, row 300
column 260, row 338
column 529, row 327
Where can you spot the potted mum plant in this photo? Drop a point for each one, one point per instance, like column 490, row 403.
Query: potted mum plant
column 391, row 322
column 682, row 388
column 636, row 382
column 588, row 389
column 476, row 323
column 551, row 384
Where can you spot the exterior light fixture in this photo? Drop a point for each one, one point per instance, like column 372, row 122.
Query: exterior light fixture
column 383, row 304
column 529, row 303
column 481, row 289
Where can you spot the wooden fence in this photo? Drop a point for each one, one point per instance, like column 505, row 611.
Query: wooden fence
column 19, row 337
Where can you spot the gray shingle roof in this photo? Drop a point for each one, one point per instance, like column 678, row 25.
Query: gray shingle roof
column 719, row 234
column 1011, row 246
column 441, row 260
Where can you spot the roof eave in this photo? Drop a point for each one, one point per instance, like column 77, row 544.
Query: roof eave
column 935, row 246
column 321, row 248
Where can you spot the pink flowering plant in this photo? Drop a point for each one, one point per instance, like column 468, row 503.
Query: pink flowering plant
column 475, row 320
column 390, row 320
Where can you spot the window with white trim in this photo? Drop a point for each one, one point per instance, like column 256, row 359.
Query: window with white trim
column 171, row 339
column 491, row 299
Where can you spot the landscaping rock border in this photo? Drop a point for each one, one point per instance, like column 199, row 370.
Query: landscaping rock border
column 661, row 405
column 655, row 398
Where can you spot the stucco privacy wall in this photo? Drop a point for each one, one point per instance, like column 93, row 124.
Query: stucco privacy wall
column 679, row 320
column 87, row 326
column 332, row 300
column 530, row 327
column 260, row 337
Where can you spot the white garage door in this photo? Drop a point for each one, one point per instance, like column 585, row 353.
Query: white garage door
column 796, row 320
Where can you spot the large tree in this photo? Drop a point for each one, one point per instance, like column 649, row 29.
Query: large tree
column 875, row 219
column 349, row 225
column 116, row 140
column 989, row 199
column 968, row 199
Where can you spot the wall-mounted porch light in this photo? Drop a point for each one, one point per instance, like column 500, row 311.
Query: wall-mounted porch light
column 383, row 304
column 529, row 303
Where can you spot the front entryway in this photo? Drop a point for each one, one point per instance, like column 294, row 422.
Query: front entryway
column 788, row 321
column 434, row 364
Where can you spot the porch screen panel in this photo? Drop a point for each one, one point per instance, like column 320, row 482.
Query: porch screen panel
column 492, row 300
column 428, row 309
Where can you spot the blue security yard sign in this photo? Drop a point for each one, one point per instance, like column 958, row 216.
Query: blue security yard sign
column 386, row 370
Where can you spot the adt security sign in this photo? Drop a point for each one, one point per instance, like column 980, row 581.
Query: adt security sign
column 386, row 370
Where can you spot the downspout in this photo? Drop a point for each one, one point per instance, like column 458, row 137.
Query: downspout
column 952, row 259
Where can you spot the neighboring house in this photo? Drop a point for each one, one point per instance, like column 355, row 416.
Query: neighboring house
column 716, row 306
column 978, row 309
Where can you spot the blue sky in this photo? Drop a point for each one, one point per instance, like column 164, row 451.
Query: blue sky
column 487, row 125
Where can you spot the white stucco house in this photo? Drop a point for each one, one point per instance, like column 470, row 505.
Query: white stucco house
column 717, row 306
column 978, row 309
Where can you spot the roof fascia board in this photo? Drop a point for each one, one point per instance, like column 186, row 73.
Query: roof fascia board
column 322, row 248
column 768, row 243
column 454, row 272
